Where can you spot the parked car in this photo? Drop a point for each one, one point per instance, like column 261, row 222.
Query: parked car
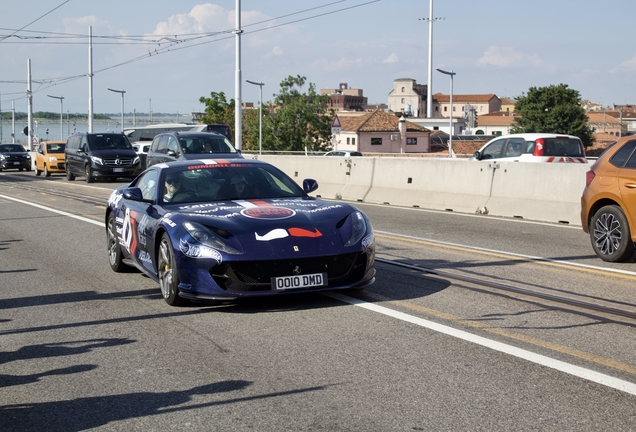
column 533, row 147
column 608, row 204
column 180, row 146
column 263, row 236
column 100, row 156
column 49, row 158
column 14, row 156
column 344, row 153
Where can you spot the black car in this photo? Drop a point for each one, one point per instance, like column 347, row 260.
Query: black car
column 101, row 155
column 14, row 156
column 182, row 146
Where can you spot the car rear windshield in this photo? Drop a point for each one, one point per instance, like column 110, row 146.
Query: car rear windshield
column 563, row 147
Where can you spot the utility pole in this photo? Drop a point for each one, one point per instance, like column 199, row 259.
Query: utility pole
column 429, row 87
column 90, row 79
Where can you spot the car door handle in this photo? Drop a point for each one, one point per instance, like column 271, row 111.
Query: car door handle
column 630, row 185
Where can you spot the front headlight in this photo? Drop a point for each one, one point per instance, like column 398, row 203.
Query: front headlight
column 358, row 228
column 97, row 160
column 208, row 238
column 52, row 159
column 136, row 161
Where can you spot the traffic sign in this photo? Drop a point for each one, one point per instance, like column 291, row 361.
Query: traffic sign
column 336, row 127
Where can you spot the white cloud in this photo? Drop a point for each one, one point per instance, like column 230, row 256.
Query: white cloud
column 278, row 51
column 508, row 57
column 626, row 66
column 393, row 58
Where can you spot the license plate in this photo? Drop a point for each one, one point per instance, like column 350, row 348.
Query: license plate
column 118, row 170
column 301, row 281
column 16, row 163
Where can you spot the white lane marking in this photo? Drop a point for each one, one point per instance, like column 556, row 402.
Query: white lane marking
column 590, row 375
column 580, row 372
column 535, row 258
column 94, row 222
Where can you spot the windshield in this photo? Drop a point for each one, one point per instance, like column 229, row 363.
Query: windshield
column 12, row 148
column 226, row 181
column 108, row 141
column 55, row 148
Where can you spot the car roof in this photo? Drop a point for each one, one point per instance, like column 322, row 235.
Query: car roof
column 192, row 134
column 534, row 135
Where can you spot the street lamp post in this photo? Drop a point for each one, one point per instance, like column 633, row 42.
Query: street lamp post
column 122, row 106
column 260, row 115
column 61, row 98
column 450, row 131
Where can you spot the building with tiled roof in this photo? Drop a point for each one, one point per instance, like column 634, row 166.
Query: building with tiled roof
column 507, row 104
column 481, row 103
column 381, row 132
column 606, row 123
column 497, row 123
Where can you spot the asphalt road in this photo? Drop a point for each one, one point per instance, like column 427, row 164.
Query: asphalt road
column 84, row 348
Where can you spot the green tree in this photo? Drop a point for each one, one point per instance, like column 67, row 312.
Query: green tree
column 302, row 120
column 218, row 110
column 552, row 109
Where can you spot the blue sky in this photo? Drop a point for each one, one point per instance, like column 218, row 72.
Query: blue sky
column 495, row 46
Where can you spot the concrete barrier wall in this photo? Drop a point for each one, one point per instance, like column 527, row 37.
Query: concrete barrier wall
column 534, row 191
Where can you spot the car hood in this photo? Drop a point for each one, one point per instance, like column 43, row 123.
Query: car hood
column 14, row 153
column 267, row 224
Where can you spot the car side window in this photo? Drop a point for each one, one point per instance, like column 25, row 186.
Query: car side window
column 631, row 162
column 162, row 145
column 621, row 156
column 493, row 150
column 148, row 185
column 173, row 145
column 514, row 147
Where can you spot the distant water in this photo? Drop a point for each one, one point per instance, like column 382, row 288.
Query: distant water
column 50, row 129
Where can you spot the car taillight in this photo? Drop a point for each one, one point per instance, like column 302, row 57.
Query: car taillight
column 538, row 147
column 589, row 176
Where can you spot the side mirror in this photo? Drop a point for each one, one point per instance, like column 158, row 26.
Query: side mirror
column 134, row 194
column 310, row 185
column 171, row 153
column 477, row 155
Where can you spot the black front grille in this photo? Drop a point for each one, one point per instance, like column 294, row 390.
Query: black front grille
column 257, row 275
column 122, row 162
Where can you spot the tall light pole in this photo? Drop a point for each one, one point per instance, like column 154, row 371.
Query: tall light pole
column 450, row 131
column 429, row 88
column 122, row 105
column 260, row 115
column 238, row 115
column 61, row 98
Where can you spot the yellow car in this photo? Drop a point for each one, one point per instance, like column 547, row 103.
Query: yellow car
column 608, row 204
column 49, row 158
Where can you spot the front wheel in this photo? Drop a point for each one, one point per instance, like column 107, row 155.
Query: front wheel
column 69, row 175
column 47, row 173
column 610, row 235
column 167, row 272
column 89, row 175
column 114, row 250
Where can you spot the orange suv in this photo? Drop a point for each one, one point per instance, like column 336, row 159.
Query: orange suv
column 608, row 204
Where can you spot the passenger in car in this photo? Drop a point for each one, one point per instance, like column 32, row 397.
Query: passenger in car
column 174, row 190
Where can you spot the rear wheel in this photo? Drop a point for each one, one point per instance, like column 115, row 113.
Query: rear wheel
column 168, row 275
column 69, row 175
column 89, row 174
column 47, row 173
column 610, row 235
column 114, row 250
